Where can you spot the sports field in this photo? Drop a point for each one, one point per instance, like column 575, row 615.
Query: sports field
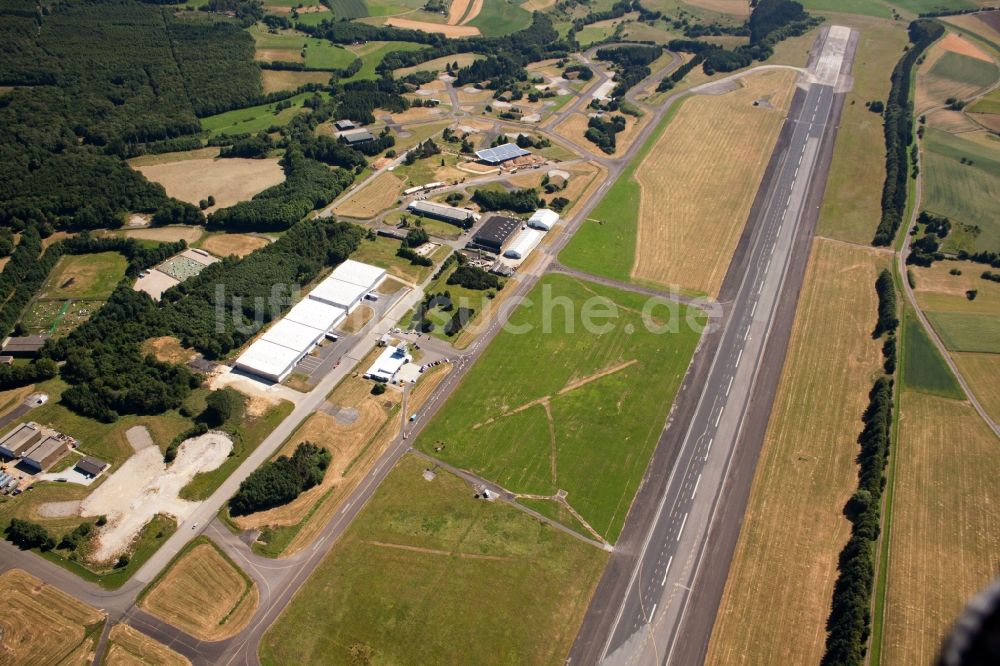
column 129, row 647
column 84, row 276
column 420, row 569
column 852, row 204
column 944, row 536
column 699, row 180
column 923, row 367
column 601, row 403
column 43, row 625
column 203, row 593
column 777, row 595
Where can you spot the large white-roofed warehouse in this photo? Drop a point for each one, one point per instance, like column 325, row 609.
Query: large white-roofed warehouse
column 278, row 350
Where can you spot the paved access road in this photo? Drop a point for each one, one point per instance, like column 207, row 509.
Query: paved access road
column 638, row 610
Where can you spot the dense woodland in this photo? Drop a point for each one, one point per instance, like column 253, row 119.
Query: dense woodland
column 631, row 64
column 281, row 480
column 517, row 201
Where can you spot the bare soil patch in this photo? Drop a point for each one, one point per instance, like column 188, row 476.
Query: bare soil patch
column 229, row 180
column 447, row 30
column 223, row 245
column 167, row 349
column 276, row 80
column 204, row 594
column 457, row 10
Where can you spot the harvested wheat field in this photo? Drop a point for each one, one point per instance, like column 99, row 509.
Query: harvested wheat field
column 128, row 647
column 953, row 122
column 475, row 6
column 446, row 30
column 167, row 349
column 276, row 80
column 170, row 234
column 43, row 625
column 945, row 532
column 980, row 372
column 699, row 181
column 777, row 596
column 416, row 114
column 978, row 23
column 229, row 180
column 381, row 193
column 954, row 67
column 204, row 594
column 735, row 7
column 223, row 245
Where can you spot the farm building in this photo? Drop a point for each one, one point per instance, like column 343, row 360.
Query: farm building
column 356, row 136
column 26, row 346
column 502, row 153
column 459, row 216
column 269, row 360
column 44, row 454
column 388, row 363
column 495, row 233
column 543, row 219
column 19, row 439
column 91, row 466
column 524, row 243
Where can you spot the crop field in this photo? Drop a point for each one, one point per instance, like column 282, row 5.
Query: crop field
column 697, row 187
column 967, row 332
column 426, row 551
column 128, row 647
column 452, row 31
column 923, row 368
column 922, row 6
column 500, row 17
column 254, row 118
column 381, row 193
column 865, row 7
column 275, row 80
column 989, row 103
column 851, row 205
column 793, row 523
column 292, row 45
column 41, row 624
column 980, row 372
column 600, row 404
column 439, row 64
column 964, row 192
column 223, row 245
column 938, row 290
column 229, row 180
column 739, row 8
column 944, row 541
column 349, row 9
column 982, row 25
column 204, row 593
column 84, row 276
column 952, row 74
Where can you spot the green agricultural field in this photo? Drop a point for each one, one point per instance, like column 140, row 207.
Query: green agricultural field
column 967, row 332
column 84, row 276
column 866, row 7
column 392, row 7
column 255, row 118
column 501, row 17
column 600, row 404
column 966, row 193
column 313, row 18
column 988, row 103
column 605, row 243
column 349, row 9
column 923, row 6
column 319, row 53
column 923, row 368
column 419, row 569
column 372, row 53
column 965, row 69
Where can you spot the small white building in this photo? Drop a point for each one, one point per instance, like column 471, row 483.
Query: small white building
column 388, row 363
column 522, row 246
column 543, row 219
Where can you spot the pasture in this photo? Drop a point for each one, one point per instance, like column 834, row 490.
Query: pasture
column 254, row 119
column 793, row 523
column 864, row 7
column 372, row 53
column 923, row 6
column 500, row 17
column 84, row 276
column 700, row 179
column 223, row 245
column 944, row 535
column 967, row 332
column 349, row 9
column 923, row 368
column 852, row 205
column 426, row 551
column 295, row 46
column 938, row 290
column 229, row 180
column 43, row 625
column 129, row 647
column 203, row 592
column 601, row 403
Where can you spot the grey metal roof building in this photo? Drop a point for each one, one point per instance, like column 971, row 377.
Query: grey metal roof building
column 502, row 153
column 91, row 466
column 459, row 216
column 28, row 345
column 44, row 454
column 495, row 233
column 19, row 439
column 357, row 136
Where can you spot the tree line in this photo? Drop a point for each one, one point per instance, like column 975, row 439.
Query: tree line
column 518, row 201
column 603, row 132
column 280, row 481
column 631, row 64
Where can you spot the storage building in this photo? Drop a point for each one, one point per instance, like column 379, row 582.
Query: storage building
column 19, row 439
column 501, row 154
column 344, row 124
column 26, row 346
column 495, row 233
column 543, row 219
column 339, row 293
column 356, row 136
column 293, row 335
column 460, row 216
column 317, row 314
column 91, row 466
column 269, row 360
column 355, row 272
column 44, row 454
column 524, row 243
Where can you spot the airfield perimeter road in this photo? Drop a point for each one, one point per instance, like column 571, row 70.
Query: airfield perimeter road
column 658, row 598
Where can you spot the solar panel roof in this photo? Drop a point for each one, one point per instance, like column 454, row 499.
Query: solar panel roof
column 507, row 151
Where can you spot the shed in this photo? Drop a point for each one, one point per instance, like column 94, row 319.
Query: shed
column 495, row 233
column 459, row 216
column 543, row 219
column 44, row 454
column 91, row 466
column 353, row 137
column 344, row 124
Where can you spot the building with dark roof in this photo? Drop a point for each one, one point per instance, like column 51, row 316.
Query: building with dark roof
column 91, row 466
column 44, row 454
column 28, row 345
column 495, row 233
column 354, row 137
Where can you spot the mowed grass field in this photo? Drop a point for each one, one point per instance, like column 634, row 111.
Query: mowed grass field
column 84, row 276
column 777, row 596
column 923, row 367
column 129, row 647
column 699, row 180
column 600, row 404
column 852, row 203
column 203, row 593
column 43, row 625
column 428, row 574
column 945, row 532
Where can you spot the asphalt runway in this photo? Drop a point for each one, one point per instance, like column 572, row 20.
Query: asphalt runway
column 660, row 566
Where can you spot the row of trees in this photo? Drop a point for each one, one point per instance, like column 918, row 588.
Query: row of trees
column 898, row 130
column 281, row 481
